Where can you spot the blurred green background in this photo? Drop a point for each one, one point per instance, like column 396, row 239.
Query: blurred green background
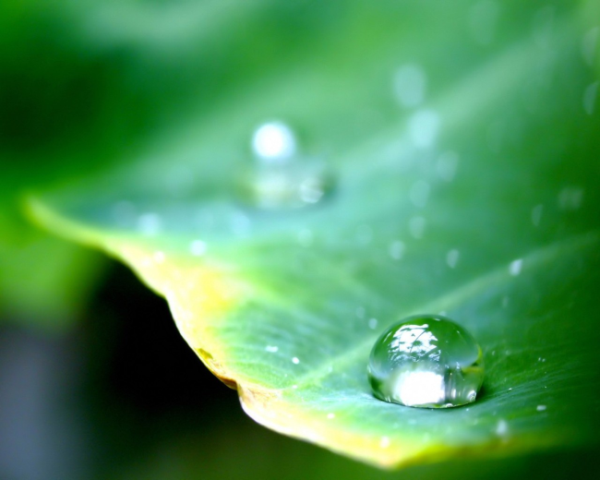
column 85, row 84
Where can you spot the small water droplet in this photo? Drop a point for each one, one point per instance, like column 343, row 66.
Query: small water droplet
column 419, row 193
column 589, row 44
column 589, row 97
column 483, row 17
column 452, row 258
column 501, row 427
column 364, row 234
column 543, row 26
column 295, row 360
column 396, row 249
column 149, row 223
column 541, row 408
column 570, row 198
column 536, row 215
column 305, row 237
column 409, row 85
column 426, row 361
column 281, row 177
column 423, row 128
column 272, row 348
column 446, row 166
column 198, row 248
column 373, row 323
column 416, row 227
column 515, row 267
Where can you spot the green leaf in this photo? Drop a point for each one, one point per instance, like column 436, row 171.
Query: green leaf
column 480, row 202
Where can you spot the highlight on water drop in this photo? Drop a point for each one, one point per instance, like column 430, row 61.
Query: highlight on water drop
column 426, row 361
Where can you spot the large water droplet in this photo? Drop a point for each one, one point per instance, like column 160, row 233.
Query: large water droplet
column 281, row 177
column 426, row 361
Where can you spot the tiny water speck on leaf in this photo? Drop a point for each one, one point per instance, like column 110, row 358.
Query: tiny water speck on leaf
column 426, row 361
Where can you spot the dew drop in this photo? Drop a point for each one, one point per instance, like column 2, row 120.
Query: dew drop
column 589, row 97
column 272, row 348
column 446, row 166
column 452, row 258
column 416, row 227
column 426, row 361
column 536, row 215
column 409, row 85
column 149, row 224
column 483, row 17
column 515, row 267
column 396, row 249
column 423, row 128
column 419, row 193
column 281, row 177
column 198, row 248
column 541, row 408
column 295, row 360
column 373, row 323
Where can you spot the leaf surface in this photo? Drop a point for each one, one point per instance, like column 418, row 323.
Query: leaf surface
column 478, row 201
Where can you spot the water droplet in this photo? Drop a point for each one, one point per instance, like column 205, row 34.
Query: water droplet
column 452, row 258
column 541, row 408
column 419, row 193
column 396, row 249
column 570, row 198
column 588, row 45
column 281, row 177
column 515, row 267
column 272, row 348
column 149, row 224
column 295, row 360
column 198, row 248
column 446, row 166
column 373, row 323
column 426, row 361
column 501, row 428
column 423, row 128
column 589, row 97
column 536, row 215
column 305, row 237
column 409, row 85
column 416, row 227
column 483, row 17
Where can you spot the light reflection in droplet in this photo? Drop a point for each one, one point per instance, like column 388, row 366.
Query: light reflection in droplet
column 541, row 408
column 274, row 142
column 423, row 128
column 272, row 348
column 409, row 85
